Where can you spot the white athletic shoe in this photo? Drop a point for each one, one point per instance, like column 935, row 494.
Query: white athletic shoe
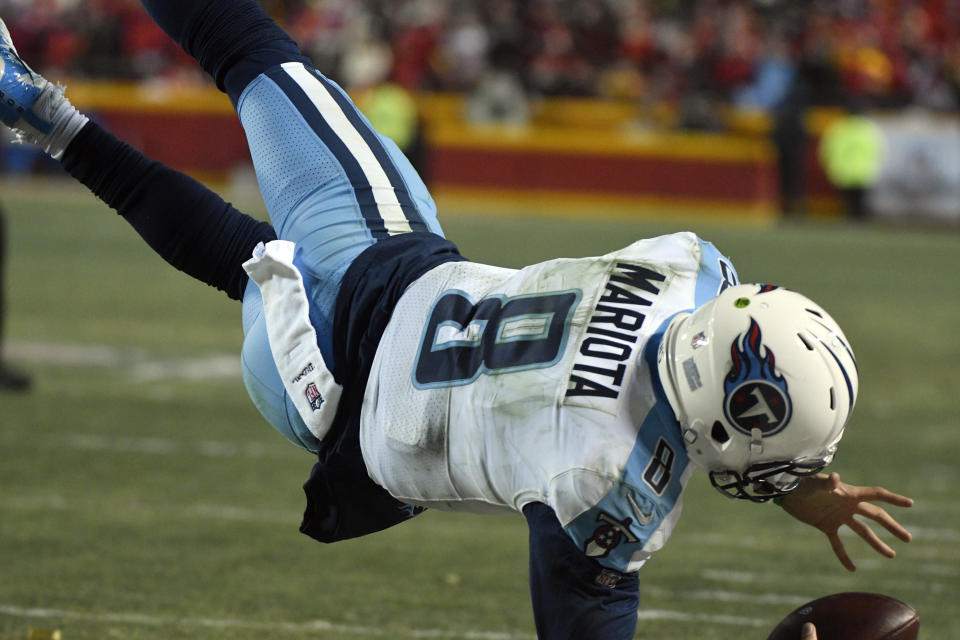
column 21, row 90
column 35, row 109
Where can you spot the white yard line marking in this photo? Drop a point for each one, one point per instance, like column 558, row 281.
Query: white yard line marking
column 56, row 502
column 920, row 534
column 720, row 595
column 141, row 365
column 73, row 355
column 726, row 540
column 935, row 507
column 241, row 514
column 166, row 446
column 206, row 368
column 923, row 578
column 683, row 616
column 930, row 534
column 736, row 577
column 252, row 625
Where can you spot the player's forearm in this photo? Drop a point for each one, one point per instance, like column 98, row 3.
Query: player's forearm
column 191, row 227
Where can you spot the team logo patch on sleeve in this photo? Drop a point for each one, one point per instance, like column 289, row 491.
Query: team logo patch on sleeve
column 608, row 536
column 756, row 395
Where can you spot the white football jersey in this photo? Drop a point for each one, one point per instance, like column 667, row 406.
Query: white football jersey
column 493, row 388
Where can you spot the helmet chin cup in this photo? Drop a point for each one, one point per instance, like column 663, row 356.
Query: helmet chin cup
column 762, row 382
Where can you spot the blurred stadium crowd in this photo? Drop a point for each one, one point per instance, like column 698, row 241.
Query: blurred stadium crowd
column 893, row 53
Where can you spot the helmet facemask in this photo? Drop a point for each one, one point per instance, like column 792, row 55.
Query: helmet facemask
column 762, row 382
column 765, row 480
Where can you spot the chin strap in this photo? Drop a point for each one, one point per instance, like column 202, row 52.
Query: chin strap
column 293, row 340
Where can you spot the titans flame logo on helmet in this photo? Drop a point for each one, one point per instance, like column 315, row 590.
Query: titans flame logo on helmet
column 756, row 396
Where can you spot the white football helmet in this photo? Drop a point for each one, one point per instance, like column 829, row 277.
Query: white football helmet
column 762, row 381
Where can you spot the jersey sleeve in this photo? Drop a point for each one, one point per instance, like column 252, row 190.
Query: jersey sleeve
column 573, row 595
column 715, row 275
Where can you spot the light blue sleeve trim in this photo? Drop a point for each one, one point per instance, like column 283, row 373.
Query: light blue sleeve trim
column 632, row 511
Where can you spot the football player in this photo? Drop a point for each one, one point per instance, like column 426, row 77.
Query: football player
column 581, row 393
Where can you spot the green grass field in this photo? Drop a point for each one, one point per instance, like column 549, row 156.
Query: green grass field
column 141, row 496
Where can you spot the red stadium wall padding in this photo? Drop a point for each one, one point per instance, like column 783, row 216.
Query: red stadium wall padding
column 635, row 175
column 212, row 145
column 199, row 143
column 575, row 147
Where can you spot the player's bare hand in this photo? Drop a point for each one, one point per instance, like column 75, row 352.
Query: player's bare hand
column 808, row 632
column 824, row 502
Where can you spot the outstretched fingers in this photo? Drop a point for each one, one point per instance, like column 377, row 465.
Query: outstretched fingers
column 865, row 532
column 879, row 494
column 840, row 550
column 888, row 522
column 828, row 504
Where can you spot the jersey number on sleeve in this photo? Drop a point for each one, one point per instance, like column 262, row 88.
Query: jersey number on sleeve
column 499, row 334
column 659, row 470
column 729, row 276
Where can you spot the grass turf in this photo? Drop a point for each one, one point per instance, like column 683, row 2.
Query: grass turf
column 141, row 496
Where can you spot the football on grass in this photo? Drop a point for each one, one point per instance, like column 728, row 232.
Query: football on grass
column 852, row 616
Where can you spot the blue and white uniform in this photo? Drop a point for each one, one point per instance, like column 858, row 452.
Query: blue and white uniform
column 496, row 388
column 491, row 388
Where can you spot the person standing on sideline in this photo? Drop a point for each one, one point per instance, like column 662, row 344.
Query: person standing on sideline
column 851, row 151
column 11, row 379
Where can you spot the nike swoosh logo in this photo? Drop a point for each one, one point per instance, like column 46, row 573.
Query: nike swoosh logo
column 643, row 519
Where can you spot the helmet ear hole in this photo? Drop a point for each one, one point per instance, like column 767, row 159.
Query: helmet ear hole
column 719, row 433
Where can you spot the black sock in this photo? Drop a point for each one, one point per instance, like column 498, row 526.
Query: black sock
column 190, row 226
column 233, row 40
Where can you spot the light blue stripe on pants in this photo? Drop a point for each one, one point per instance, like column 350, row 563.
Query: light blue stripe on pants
column 321, row 170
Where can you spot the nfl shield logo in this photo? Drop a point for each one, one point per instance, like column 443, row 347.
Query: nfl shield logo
column 607, row 578
column 314, row 397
